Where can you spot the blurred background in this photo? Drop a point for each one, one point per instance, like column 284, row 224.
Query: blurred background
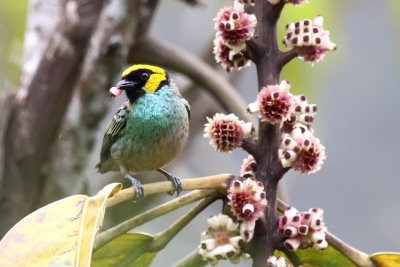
column 356, row 89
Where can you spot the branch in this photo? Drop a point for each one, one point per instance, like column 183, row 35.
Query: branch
column 269, row 170
column 146, row 17
column 162, row 239
column 250, row 147
column 112, row 233
column 155, row 51
column 253, row 49
column 7, row 107
column 38, row 32
column 218, row 182
column 286, row 57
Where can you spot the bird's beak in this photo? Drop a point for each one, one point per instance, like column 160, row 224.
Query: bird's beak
column 125, row 84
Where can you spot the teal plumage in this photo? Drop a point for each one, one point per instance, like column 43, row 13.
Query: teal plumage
column 148, row 130
column 147, row 134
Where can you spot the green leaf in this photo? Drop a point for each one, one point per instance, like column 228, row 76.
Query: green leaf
column 386, row 259
column 130, row 249
column 330, row 257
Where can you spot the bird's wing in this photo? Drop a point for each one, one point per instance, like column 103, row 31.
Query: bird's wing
column 187, row 106
column 114, row 129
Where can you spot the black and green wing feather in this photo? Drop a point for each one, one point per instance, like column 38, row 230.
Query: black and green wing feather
column 114, row 129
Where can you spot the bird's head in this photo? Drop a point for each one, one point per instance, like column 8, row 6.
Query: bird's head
column 140, row 79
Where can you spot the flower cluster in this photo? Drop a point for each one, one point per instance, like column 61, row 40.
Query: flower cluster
column 274, row 261
column 229, row 59
column 309, row 39
column 247, row 201
column 303, row 229
column 301, row 150
column 248, row 168
column 234, row 27
column 302, row 112
column 274, row 103
column 221, row 240
column 226, row 132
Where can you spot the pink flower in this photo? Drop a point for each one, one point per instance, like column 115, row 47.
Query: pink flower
column 221, row 240
column 248, row 168
column 248, row 201
column 226, row 132
column 235, row 26
column 274, row 103
column 301, row 150
column 229, row 58
column 302, row 112
column 309, row 39
column 303, row 229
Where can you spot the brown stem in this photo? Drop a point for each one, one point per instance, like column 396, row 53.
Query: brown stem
column 250, row 147
column 286, row 57
column 269, row 169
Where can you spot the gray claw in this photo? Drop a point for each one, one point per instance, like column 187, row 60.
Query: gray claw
column 137, row 186
column 176, row 182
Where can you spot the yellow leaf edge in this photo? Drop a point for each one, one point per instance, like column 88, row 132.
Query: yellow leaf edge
column 94, row 211
column 386, row 259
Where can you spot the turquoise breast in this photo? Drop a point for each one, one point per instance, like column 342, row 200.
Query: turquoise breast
column 156, row 132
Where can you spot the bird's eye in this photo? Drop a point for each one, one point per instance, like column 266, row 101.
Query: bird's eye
column 144, row 76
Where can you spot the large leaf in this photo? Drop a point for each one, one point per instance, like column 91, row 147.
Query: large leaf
column 126, row 250
column 330, row 257
column 386, row 259
column 59, row 234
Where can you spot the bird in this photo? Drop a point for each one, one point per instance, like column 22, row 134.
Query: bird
column 149, row 130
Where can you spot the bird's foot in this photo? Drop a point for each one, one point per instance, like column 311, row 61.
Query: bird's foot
column 176, row 182
column 137, row 186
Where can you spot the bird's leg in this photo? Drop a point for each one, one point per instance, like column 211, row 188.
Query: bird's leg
column 137, row 186
column 176, row 182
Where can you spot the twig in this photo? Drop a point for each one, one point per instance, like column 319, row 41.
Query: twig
column 250, row 147
column 163, row 238
column 108, row 235
column 218, row 182
column 286, row 57
column 160, row 240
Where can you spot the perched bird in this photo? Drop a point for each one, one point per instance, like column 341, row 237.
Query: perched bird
column 149, row 130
